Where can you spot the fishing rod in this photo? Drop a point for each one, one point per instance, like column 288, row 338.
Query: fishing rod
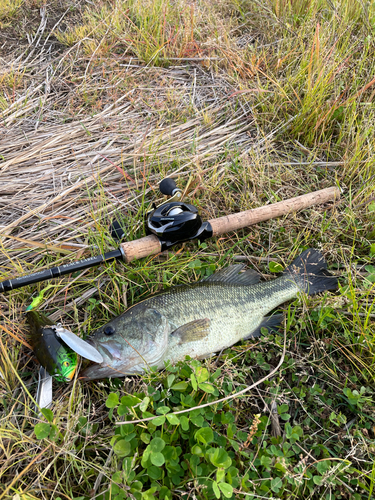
column 175, row 222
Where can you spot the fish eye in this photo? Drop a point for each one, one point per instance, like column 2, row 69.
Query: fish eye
column 108, row 330
column 66, row 363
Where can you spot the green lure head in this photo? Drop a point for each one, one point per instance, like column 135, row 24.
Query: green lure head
column 66, row 364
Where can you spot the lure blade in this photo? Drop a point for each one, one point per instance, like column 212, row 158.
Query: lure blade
column 44, row 396
column 78, row 345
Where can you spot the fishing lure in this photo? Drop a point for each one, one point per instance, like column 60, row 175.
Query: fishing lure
column 44, row 394
column 53, row 354
column 56, row 348
column 39, row 299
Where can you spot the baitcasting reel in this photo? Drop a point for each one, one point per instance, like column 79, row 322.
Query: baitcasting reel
column 173, row 221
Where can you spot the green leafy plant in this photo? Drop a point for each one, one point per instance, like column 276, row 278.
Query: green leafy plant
column 204, row 450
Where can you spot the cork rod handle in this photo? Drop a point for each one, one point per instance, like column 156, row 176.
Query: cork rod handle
column 136, row 249
column 243, row 219
column 150, row 245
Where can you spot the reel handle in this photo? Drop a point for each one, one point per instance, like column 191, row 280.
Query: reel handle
column 167, row 186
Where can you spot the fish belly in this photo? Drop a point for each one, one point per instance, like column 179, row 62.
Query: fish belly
column 223, row 333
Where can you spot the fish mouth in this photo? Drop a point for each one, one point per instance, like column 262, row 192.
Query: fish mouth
column 110, row 350
column 101, row 371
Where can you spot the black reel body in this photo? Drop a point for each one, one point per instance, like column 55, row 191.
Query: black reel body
column 172, row 222
column 175, row 222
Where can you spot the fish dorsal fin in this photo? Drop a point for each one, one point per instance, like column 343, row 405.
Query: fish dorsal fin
column 194, row 330
column 235, row 276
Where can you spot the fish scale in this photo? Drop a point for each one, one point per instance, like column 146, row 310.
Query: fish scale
column 245, row 308
column 202, row 318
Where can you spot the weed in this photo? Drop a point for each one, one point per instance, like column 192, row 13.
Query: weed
column 153, row 31
column 8, row 9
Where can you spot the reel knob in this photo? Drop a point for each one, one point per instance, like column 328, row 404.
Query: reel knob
column 169, row 187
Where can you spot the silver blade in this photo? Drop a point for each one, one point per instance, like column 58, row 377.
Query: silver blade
column 44, row 395
column 78, row 345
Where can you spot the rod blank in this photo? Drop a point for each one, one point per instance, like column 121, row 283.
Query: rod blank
column 55, row 272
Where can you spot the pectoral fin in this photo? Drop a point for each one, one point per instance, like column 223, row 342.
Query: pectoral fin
column 192, row 331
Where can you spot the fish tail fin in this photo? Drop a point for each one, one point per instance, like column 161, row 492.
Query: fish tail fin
column 309, row 271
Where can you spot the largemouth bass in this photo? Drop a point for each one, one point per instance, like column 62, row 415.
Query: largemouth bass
column 202, row 318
